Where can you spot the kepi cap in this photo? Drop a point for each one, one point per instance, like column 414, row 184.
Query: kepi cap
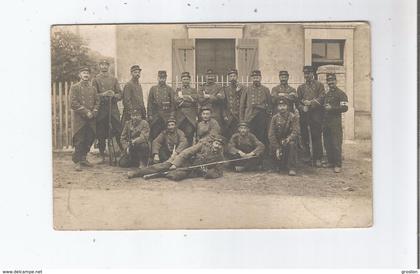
column 233, row 71
column 283, row 72
column 104, row 61
column 331, row 76
column 84, row 68
column 162, row 73
column 135, row 67
column 185, row 74
column 308, row 69
column 218, row 138
column 256, row 72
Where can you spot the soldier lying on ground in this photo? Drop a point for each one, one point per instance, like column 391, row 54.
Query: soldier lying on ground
column 283, row 135
column 244, row 144
column 135, row 141
column 206, row 151
column 169, row 142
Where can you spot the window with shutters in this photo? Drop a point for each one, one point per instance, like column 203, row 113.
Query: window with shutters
column 215, row 54
column 327, row 52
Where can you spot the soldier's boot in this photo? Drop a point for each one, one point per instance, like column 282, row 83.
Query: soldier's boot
column 103, row 158
column 239, row 168
column 327, row 165
column 292, row 172
column 86, row 163
column 318, row 163
column 337, row 169
column 78, row 167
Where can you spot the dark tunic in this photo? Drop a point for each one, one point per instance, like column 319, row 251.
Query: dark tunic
column 282, row 126
column 284, row 92
column 205, row 129
column 186, row 106
column 160, row 103
column 255, row 100
column 133, row 99
column 83, row 98
column 233, row 101
column 169, row 140
column 248, row 143
column 216, row 100
column 104, row 82
column 314, row 92
column 139, row 133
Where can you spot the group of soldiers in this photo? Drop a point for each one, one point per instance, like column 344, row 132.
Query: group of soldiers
column 193, row 132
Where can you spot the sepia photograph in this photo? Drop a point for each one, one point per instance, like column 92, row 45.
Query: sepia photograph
column 211, row 126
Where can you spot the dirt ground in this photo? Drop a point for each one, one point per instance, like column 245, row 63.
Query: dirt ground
column 102, row 198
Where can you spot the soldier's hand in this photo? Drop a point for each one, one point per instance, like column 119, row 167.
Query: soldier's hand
column 305, row 108
column 226, row 118
column 109, row 93
column 307, row 103
column 278, row 153
column 156, row 158
column 172, row 167
column 285, row 141
column 89, row 115
column 206, row 95
column 251, row 154
column 328, row 107
column 242, row 154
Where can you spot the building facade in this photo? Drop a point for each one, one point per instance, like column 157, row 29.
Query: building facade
column 343, row 48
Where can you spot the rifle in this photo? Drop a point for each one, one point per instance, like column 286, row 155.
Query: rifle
column 163, row 173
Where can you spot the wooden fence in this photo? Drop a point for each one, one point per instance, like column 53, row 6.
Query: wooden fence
column 62, row 124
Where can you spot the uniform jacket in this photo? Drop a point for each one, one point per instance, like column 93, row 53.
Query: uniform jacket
column 160, row 103
column 216, row 100
column 233, row 101
column 104, row 82
column 169, row 140
column 83, row 98
column 139, row 133
column 314, row 92
column 133, row 99
column 205, row 129
column 338, row 101
column 282, row 126
column 199, row 154
column 187, row 106
column 254, row 100
column 284, row 92
column 247, row 143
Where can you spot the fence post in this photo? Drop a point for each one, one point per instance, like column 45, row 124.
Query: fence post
column 54, row 118
column 60, row 114
column 66, row 113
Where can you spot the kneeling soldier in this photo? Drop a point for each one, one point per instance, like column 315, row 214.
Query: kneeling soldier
column 282, row 135
column 135, row 141
column 170, row 141
column 244, row 144
column 175, row 168
column 208, row 126
column 335, row 103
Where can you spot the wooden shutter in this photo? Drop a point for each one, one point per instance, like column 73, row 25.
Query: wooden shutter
column 247, row 56
column 182, row 58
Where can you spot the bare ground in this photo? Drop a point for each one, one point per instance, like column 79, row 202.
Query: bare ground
column 102, row 198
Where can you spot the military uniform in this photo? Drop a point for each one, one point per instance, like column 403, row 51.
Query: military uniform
column 312, row 118
column 207, row 128
column 255, row 109
column 186, row 114
column 160, row 105
column 84, row 99
column 199, row 154
column 216, row 100
column 166, row 141
column 104, row 82
column 282, row 134
column 135, row 142
column 133, row 99
column 231, row 112
column 332, row 128
column 284, row 91
column 248, row 143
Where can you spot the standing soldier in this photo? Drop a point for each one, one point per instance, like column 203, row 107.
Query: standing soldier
column 233, row 94
column 244, row 144
column 207, row 126
column 135, row 141
column 310, row 100
column 335, row 103
column 284, row 91
column 212, row 95
column 84, row 105
column 256, row 106
column 133, row 96
column 160, row 105
column 282, row 134
column 186, row 103
column 108, row 89
column 170, row 142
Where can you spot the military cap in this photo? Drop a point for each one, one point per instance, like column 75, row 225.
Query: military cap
column 104, row 61
column 206, row 107
column 84, row 68
column 233, row 71
column 135, row 67
column 243, row 124
column 282, row 101
column 171, row 119
column 308, row 69
column 185, row 74
column 210, row 72
column 283, row 72
column 256, row 73
column 219, row 138
column 162, row 73
column 331, row 76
